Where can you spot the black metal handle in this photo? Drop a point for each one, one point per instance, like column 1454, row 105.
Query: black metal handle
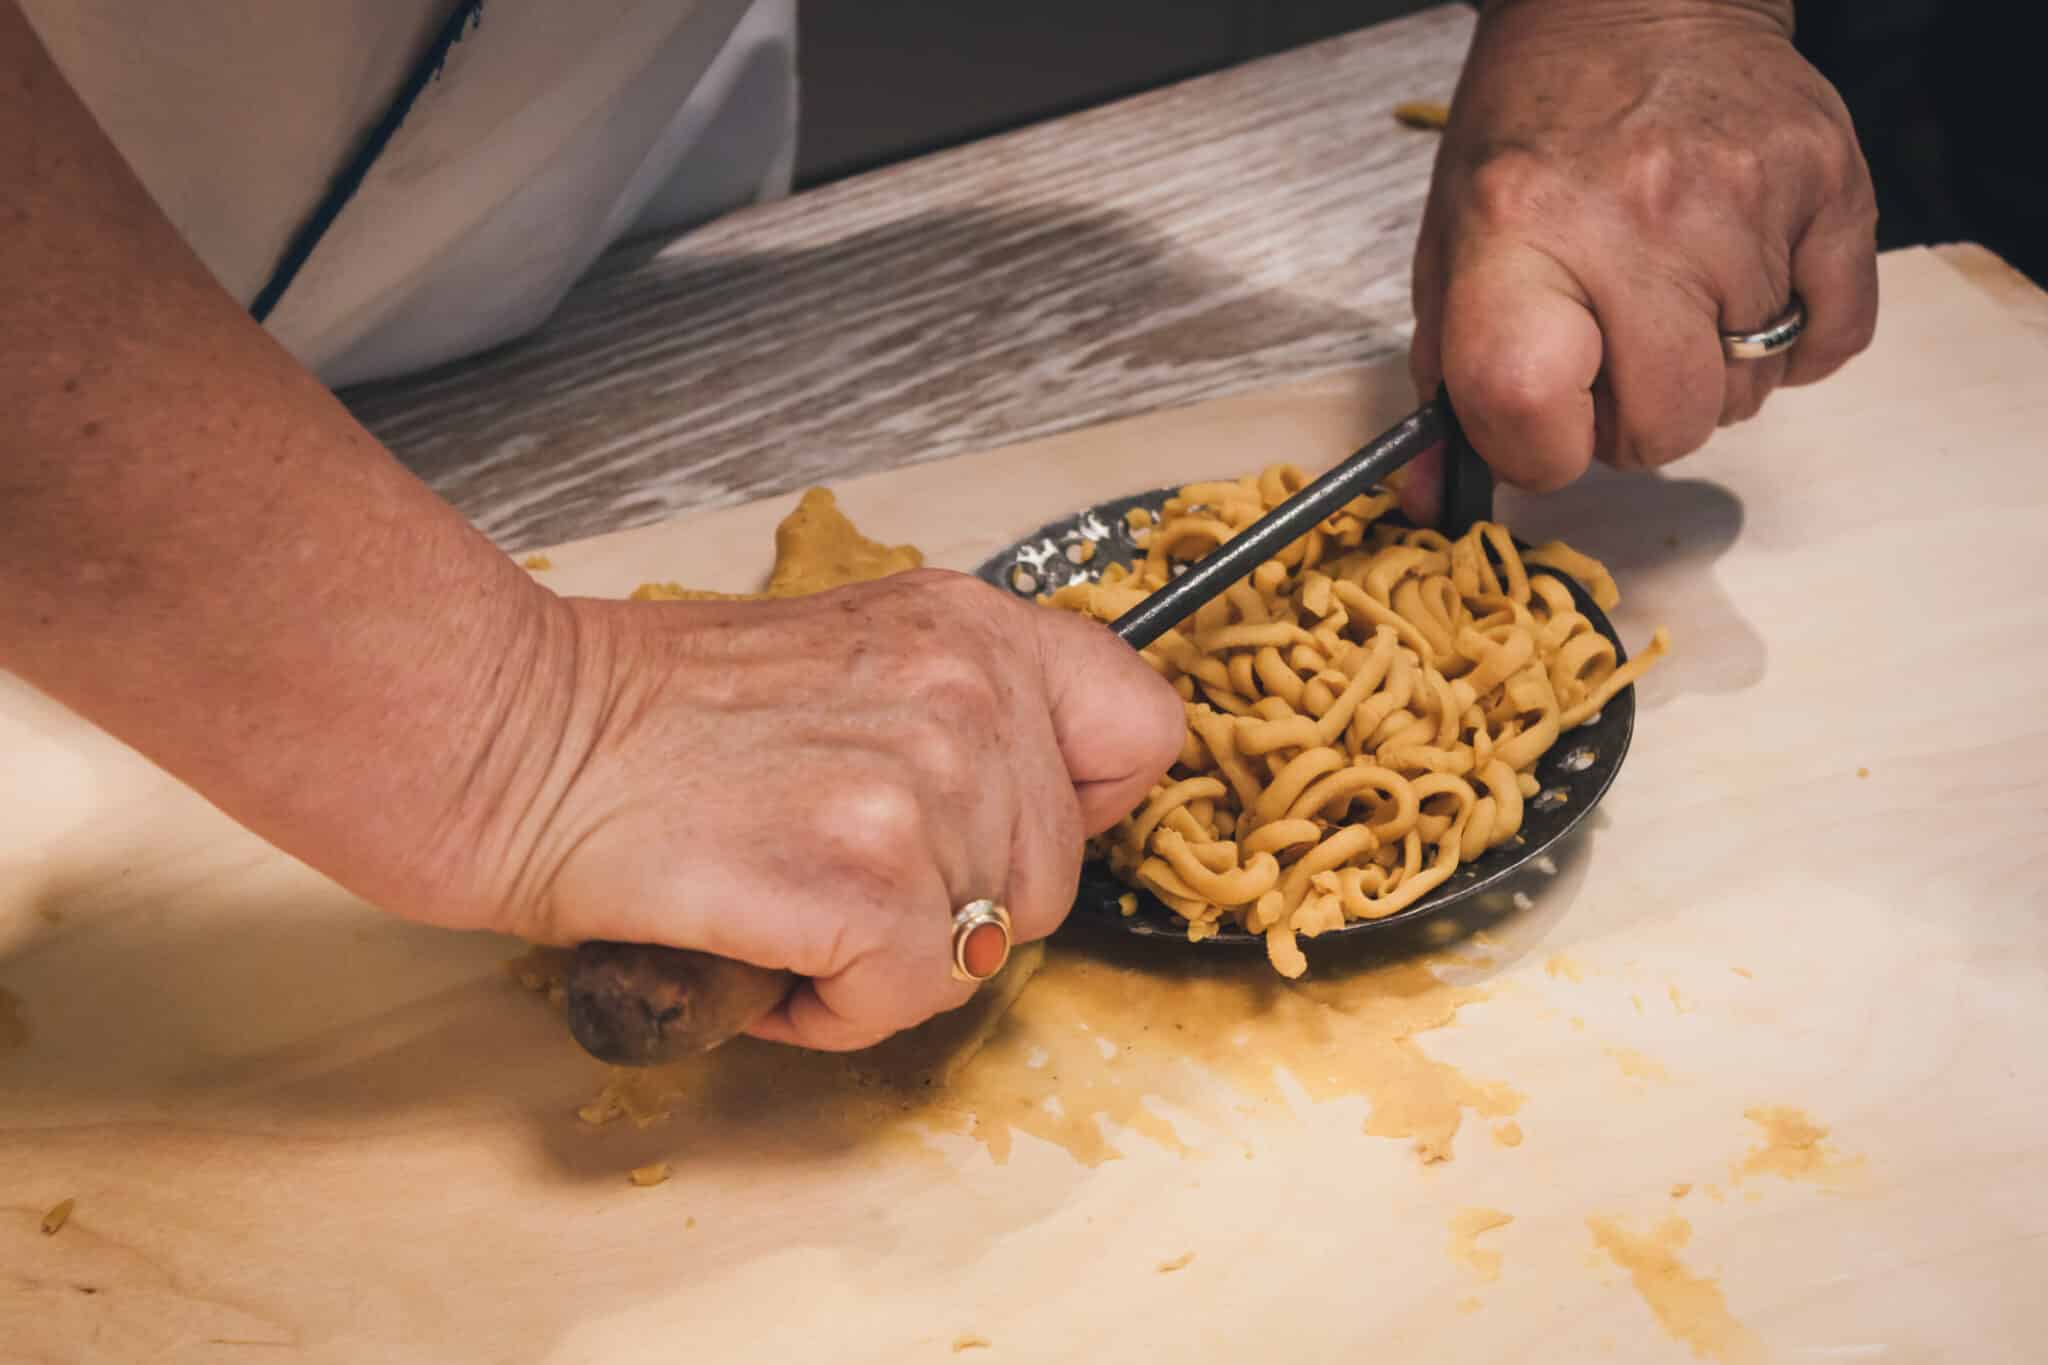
column 1468, row 497
column 1468, row 483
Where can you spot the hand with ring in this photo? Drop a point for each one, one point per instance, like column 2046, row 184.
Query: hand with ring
column 873, row 788
column 1644, row 218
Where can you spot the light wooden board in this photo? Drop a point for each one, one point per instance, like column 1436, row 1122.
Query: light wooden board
column 298, row 1131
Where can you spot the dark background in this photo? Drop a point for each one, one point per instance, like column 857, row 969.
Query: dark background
column 1945, row 93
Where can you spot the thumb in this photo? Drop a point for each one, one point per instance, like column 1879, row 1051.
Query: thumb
column 1118, row 724
column 1521, row 349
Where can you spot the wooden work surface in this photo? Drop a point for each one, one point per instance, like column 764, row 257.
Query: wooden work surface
column 296, row 1130
column 1228, row 234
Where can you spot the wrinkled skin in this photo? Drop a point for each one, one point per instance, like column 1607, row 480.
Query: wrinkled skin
column 1622, row 181
column 816, row 783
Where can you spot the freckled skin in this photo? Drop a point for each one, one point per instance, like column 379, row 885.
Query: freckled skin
column 283, row 616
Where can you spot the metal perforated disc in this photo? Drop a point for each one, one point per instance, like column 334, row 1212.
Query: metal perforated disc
column 1573, row 776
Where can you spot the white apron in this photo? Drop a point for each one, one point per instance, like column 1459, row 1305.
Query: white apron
column 513, row 141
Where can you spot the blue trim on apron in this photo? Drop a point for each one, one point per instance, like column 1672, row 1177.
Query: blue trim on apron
column 349, row 179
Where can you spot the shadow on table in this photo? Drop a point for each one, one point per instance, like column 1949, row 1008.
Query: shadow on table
column 1661, row 536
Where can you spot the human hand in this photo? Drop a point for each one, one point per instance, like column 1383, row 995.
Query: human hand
column 1619, row 184
column 816, row 783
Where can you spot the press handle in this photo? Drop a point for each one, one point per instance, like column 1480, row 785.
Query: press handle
column 1468, row 482
column 640, row 1004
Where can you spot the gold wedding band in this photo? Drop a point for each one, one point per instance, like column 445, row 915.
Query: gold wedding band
column 976, row 918
column 1782, row 335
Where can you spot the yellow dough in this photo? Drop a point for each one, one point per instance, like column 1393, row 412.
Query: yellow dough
column 816, row 549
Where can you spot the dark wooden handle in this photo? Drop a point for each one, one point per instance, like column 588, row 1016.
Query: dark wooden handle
column 636, row 1004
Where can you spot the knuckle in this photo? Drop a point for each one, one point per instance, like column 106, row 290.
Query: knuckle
column 1512, row 387
column 872, row 833
column 944, row 759
column 1512, row 186
column 1742, row 173
column 1653, row 184
column 952, row 690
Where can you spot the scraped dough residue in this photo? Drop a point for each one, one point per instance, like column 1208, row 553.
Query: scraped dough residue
column 1796, row 1148
column 1690, row 1307
column 14, row 1029
column 1508, row 1134
column 969, row 1341
column 1564, row 968
column 1466, row 1226
column 1636, row 1066
column 1178, row 1027
column 1180, row 1262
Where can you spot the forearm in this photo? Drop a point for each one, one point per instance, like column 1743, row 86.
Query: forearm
column 206, row 555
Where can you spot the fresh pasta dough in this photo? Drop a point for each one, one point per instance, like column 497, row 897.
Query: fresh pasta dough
column 1364, row 712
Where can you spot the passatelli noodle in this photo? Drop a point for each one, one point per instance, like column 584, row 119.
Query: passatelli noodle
column 1364, row 713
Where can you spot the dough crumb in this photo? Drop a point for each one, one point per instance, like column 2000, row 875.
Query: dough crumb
column 1469, row 1304
column 1794, row 1148
column 1508, row 1134
column 651, row 1174
column 537, row 563
column 1635, row 1065
column 689, row 1223
column 1428, row 115
column 1127, row 903
column 600, row 1111
column 1466, row 1227
column 1745, row 973
column 1180, row 1262
column 1677, row 1000
column 58, row 1216
column 1564, row 968
column 1681, row 1189
column 1863, row 772
column 968, row 1341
